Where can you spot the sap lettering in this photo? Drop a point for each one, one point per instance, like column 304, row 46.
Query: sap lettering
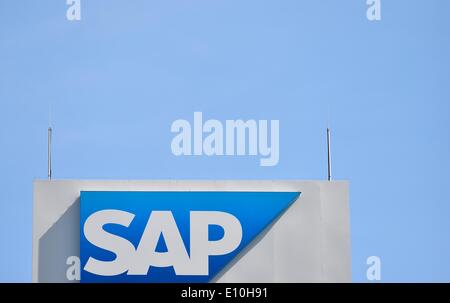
column 160, row 223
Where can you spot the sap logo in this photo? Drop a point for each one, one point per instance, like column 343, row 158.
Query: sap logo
column 139, row 260
column 176, row 236
column 238, row 136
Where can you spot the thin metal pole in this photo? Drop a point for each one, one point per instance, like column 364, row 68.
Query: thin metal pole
column 329, row 153
column 49, row 153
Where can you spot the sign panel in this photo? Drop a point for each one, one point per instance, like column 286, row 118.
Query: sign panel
column 191, row 231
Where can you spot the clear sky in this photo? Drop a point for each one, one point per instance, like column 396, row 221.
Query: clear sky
column 118, row 78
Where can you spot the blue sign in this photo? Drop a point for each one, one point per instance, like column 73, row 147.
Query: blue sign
column 170, row 236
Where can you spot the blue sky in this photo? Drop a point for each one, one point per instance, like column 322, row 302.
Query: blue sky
column 118, row 78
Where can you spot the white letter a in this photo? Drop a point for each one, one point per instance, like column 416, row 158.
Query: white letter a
column 374, row 10
column 74, row 10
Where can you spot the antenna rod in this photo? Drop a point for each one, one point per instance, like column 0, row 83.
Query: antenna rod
column 329, row 153
column 49, row 153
